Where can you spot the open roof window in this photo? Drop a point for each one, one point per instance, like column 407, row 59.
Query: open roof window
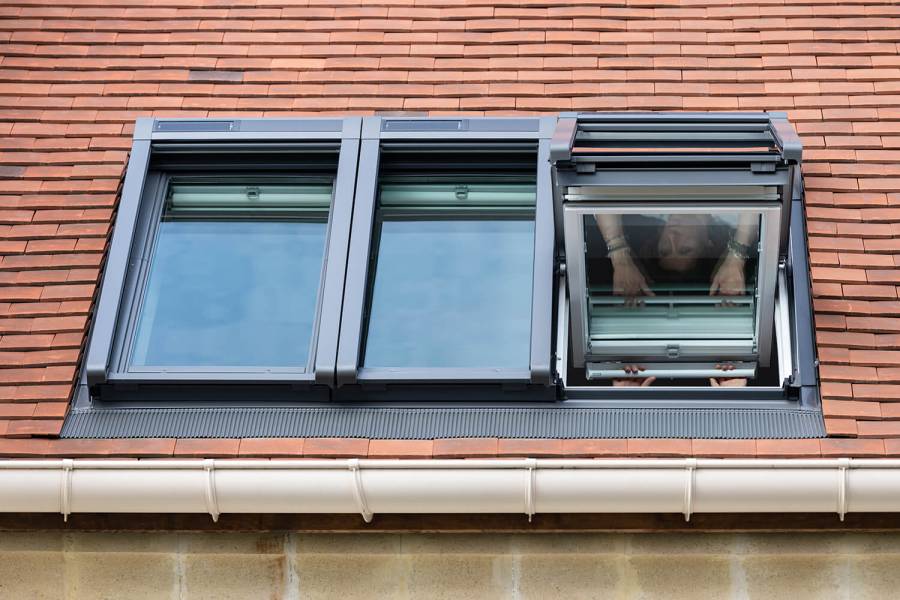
column 218, row 269
column 675, row 237
column 457, row 260
column 262, row 265
column 451, row 262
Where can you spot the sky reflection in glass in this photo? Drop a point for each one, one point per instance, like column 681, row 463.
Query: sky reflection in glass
column 452, row 293
column 231, row 293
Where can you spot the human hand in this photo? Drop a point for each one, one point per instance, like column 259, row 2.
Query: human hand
column 728, row 279
column 727, row 381
column 633, row 381
column 628, row 280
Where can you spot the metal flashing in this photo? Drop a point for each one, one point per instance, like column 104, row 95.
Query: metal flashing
column 432, row 423
column 111, row 286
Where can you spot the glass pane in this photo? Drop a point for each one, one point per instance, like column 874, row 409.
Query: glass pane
column 230, row 293
column 269, row 196
column 455, row 196
column 453, row 291
column 676, row 276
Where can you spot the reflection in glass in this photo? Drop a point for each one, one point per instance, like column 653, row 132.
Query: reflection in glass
column 678, row 275
column 451, row 290
column 231, row 291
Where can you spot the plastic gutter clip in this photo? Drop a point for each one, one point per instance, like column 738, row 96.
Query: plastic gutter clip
column 843, row 473
column 358, row 492
column 65, row 488
column 530, row 466
column 690, row 472
column 212, row 501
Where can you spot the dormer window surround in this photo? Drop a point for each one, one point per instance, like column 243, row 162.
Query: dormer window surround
column 462, row 263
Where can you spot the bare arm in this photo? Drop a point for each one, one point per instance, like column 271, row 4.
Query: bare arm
column 610, row 226
column 627, row 277
column 747, row 232
column 728, row 280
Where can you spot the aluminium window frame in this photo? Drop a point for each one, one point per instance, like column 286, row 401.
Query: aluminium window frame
column 802, row 380
column 779, row 165
column 257, row 409
column 138, row 217
column 769, row 235
column 480, row 133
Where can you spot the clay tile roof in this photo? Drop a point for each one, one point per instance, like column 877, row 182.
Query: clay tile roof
column 74, row 74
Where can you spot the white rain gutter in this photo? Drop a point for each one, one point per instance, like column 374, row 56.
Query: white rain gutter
column 526, row 486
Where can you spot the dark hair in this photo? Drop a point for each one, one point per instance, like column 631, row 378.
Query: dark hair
column 704, row 266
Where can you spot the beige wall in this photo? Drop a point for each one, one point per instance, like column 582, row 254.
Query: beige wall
column 454, row 566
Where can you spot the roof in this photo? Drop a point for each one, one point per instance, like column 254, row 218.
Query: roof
column 74, row 76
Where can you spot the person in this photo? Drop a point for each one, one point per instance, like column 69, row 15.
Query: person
column 647, row 381
column 679, row 249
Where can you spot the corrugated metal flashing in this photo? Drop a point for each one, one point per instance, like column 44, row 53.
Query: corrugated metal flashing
column 433, row 423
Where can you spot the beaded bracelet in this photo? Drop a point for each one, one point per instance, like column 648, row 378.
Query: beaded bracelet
column 738, row 249
column 616, row 244
column 621, row 248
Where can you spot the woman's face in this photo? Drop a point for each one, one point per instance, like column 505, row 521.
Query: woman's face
column 683, row 239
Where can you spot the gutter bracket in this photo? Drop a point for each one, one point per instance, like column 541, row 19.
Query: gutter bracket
column 843, row 489
column 530, row 466
column 65, row 488
column 690, row 473
column 358, row 492
column 212, row 502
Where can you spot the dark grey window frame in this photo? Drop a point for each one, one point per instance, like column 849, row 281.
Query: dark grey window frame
column 618, row 133
column 462, row 133
column 138, row 218
column 239, row 406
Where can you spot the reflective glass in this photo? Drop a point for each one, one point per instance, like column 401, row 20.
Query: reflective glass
column 230, row 292
column 672, row 276
column 452, row 291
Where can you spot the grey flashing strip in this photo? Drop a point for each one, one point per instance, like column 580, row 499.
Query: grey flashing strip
column 435, row 423
column 112, row 286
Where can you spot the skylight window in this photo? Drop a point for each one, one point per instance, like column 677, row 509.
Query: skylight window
column 676, row 236
column 490, row 260
column 450, row 268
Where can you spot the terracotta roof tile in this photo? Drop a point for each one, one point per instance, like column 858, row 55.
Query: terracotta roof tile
column 270, row 447
column 466, row 447
column 400, row 448
column 75, row 75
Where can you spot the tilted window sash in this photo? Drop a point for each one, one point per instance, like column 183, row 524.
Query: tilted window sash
column 698, row 166
column 681, row 324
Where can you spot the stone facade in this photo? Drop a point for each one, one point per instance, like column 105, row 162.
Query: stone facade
column 795, row 566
